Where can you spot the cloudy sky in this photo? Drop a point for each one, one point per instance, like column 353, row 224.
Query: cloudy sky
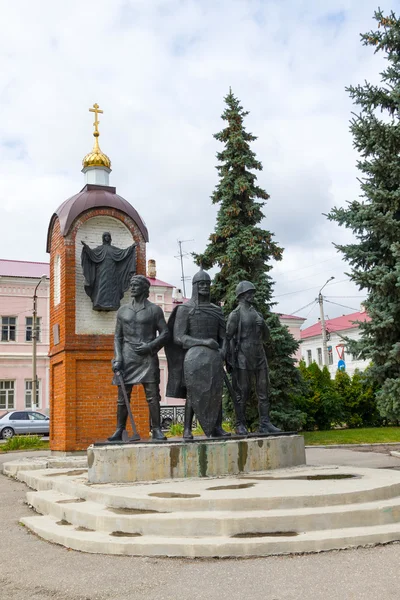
column 160, row 70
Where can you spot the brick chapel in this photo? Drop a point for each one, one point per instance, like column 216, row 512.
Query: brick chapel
column 82, row 399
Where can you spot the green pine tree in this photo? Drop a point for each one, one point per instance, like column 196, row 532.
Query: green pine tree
column 242, row 250
column 375, row 218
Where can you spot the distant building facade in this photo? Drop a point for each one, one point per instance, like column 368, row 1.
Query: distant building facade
column 167, row 297
column 337, row 329
column 18, row 280
column 293, row 324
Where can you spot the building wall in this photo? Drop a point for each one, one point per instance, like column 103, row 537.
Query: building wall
column 162, row 295
column 16, row 300
column 293, row 326
column 312, row 344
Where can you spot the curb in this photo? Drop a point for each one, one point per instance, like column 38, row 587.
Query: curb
column 346, row 446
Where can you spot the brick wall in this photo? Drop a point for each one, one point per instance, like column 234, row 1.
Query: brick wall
column 82, row 399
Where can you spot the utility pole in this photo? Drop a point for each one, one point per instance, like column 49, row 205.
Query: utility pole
column 180, row 256
column 323, row 328
column 34, row 341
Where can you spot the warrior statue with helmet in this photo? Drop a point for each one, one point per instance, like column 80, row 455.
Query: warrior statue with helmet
column 246, row 333
column 195, row 358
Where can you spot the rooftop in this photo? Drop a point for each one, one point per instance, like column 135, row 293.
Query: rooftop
column 92, row 196
column 159, row 283
column 23, row 268
column 294, row 317
column 338, row 324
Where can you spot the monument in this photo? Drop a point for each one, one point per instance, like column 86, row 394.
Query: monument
column 140, row 332
column 195, row 358
column 107, row 271
column 246, row 333
column 82, row 398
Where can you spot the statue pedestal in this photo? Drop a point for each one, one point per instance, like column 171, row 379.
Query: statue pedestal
column 128, row 463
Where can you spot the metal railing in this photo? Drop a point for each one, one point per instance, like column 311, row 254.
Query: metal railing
column 173, row 414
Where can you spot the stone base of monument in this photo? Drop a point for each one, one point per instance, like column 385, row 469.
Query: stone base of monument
column 129, row 463
column 301, row 509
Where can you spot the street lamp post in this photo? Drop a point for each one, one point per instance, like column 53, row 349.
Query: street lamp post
column 323, row 328
column 34, row 341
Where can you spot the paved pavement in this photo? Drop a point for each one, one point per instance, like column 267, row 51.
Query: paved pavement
column 32, row 568
column 341, row 456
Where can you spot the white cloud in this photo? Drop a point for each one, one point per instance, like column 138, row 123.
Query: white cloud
column 160, row 70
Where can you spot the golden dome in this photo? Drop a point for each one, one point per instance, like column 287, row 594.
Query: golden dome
column 96, row 158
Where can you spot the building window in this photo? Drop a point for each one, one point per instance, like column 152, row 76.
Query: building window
column 28, row 394
column 8, row 329
column 309, row 357
column 7, row 395
column 319, row 354
column 330, row 355
column 29, row 328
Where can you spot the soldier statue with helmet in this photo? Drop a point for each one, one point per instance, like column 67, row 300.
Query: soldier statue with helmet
column 195, row 358
column 246, row 333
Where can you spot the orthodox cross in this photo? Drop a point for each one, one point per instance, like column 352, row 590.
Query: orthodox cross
column 96, row 110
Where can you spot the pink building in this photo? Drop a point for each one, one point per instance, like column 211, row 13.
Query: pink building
column 18, row 280
column 161, row 293
column 293, row 324
column 165, row 295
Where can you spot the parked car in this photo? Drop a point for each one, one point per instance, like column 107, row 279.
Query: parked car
column 23, row 421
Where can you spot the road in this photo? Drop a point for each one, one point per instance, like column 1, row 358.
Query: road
column 34, row 569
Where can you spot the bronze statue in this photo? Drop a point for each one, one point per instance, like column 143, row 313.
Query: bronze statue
column 195, row 358
column 246, row 333
column 140, row 332
column 107, row 271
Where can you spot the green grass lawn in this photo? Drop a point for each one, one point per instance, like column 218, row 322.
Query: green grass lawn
column 24, row 442
column 368, row 435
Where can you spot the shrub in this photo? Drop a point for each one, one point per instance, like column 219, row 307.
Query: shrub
column 320, row 402
column 175, row 429
column 22, row 442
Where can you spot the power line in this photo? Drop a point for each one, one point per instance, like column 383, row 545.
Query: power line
column 303, row 307
column 316, row 287
column 312, row 308
column 340, row 281
column 296, row 292
column 342, row 305
column 309, row 266
column 311, row 275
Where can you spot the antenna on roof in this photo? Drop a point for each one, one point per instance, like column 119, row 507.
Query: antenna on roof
column 181, row 255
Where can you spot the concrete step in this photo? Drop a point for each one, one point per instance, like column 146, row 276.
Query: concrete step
column 98, row 517
column 70, row 536
column 286, row 489
column 43, row 462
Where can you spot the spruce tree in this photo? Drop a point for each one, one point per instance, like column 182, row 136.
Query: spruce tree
column 242, row 250
column 374, row 219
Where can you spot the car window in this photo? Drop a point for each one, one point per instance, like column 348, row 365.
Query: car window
column 37, row 417
column 19, row 416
